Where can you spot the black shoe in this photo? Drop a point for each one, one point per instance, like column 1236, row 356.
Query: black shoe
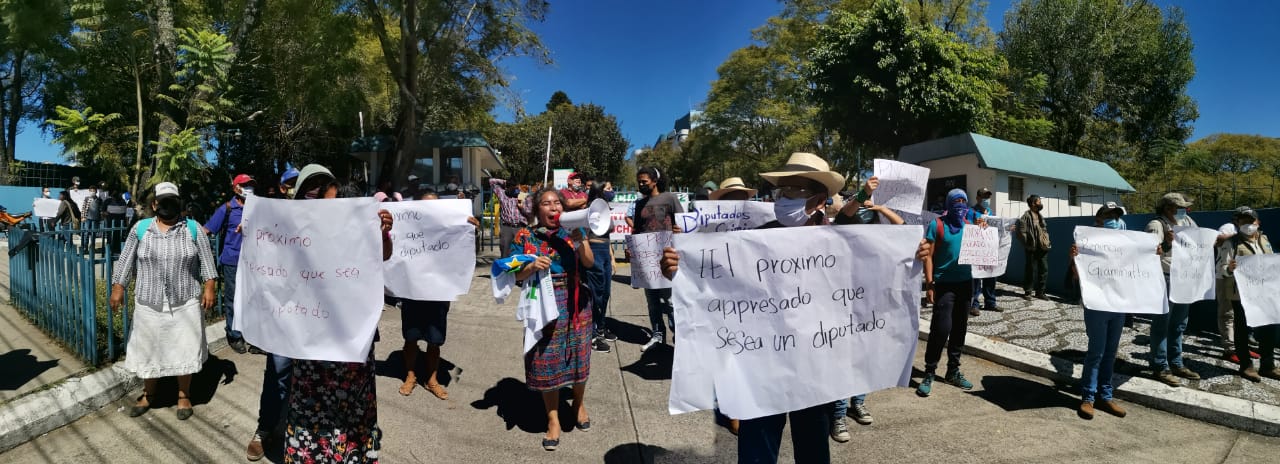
column 256, row 350
column 239, row 346
column 550, row 445
column 994, row 308
column 610, row 336
column 600, row 345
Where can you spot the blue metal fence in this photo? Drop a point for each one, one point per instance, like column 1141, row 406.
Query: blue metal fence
column 61, row 281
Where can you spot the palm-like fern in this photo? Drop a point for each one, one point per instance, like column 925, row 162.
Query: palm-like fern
column 177, row 156
column 79, row 131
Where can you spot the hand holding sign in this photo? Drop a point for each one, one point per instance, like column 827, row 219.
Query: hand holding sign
column 1258, row 279
column 902, row 186
column 646, row 254
column 1191, row 273
column 980, row 245
column 430, row 239
column 1118, row 272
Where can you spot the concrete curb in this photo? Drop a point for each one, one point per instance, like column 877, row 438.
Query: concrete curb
column 39, row 413
column 1237, row 413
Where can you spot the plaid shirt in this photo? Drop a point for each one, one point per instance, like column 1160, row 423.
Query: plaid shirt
column 169, row 265
column 513, row 211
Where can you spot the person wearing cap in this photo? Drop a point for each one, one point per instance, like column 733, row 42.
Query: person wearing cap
column 1226, row 314
column 1034, row 235
column 176, row 276
column 803, row 186
column 226, row 223
column 1167, row 329
column 1103, row 329
column 985, row 288
column 950, row 289
column 1247, row 241
column 575, row 195
column 288, row 181
column 732, row 189
column 705, row 192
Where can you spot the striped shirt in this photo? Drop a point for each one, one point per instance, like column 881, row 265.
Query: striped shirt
column 170, row 266
column 513, row 211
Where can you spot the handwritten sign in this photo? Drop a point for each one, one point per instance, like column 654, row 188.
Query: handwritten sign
column 618, row 222
column 433, row 250
column 1258, row 279
column 1001, row 225
column 646, row 255
column 771, row 323
column 78, row 196
column 1191, row 272
column 311, row 277
column 1120, row 271
column 902, row 185
column 45, row 207
column 725, row 216
column 980, row 245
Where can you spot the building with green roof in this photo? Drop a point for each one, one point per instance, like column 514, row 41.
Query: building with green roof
column 1068, row 185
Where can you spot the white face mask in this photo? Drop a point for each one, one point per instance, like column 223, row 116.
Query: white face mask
column 247, row 191
column 1249, row 230
column 791, row 212
column 1181, row 214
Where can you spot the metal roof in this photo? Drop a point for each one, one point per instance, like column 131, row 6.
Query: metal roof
column 1003, row 155
column 426, row 141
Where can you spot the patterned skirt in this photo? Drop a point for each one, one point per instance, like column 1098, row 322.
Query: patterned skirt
column 563, row 356
column 333, row 413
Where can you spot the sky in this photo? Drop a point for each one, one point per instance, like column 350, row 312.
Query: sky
column 648, row 63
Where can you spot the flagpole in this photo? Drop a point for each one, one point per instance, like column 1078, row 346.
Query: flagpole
column 546, row 172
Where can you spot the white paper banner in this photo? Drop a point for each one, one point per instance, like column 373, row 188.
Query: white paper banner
column 646, row 255
column 1120, row 271
column 725, row 216
column 1191, row 272
column 311, row 277
column 78, row 196
column 560, row 178
column 1002, row 225
column 979, row 245
column 1258, row 279
column 902, row 185
column 618, row 219
column 433, row 249
column 783, row 319
column 45, row 207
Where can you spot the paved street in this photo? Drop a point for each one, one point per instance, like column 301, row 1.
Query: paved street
column 491, row 417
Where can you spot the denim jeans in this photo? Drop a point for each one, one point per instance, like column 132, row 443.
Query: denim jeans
column 760, row 439
column 1103, row 329
column 275, row 393
column 1166, row 335
column 600, row 280
column 840, row 408
column 659, row 301
column 228, row 300
column 986, row 288
column 949, row 324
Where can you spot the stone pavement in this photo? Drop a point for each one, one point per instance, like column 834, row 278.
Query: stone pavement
column 29, row 359
column 490, row 417
column 1056, row 327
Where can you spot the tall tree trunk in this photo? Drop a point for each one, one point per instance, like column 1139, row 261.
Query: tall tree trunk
column 408, row 140
column 142, row 120
column 166, row 46
column 16, row 106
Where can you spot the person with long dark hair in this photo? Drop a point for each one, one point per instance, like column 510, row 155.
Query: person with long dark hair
column 655, row 211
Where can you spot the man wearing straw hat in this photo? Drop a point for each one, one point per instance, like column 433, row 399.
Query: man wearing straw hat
column 732, row 189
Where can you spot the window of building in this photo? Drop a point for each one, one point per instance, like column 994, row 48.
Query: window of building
column 1016, row 192
column 450, row 164
column 1073, row 195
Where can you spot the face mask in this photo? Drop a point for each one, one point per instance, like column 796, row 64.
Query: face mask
column 168, row 209
column 1181, row 214
column 1038, row 207
column 246, row 191
column 986, row 204
column 312, row 194
column 46, row 194
column 791, row 212
column 607, row 195
column 645, row 192
column 1114, row 224
column 451, row 187
column 1249, row 229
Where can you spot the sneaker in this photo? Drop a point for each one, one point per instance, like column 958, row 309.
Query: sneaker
column 653, row 341
column 1167, row 378
column 926, row 386
column 610, row 336
column 839, row 432
column 1254, row 354
column 956, row 378
column 1086, row 410
column 1186, row 373
column 861, row 414
column 1040, row 295
column 600, row 345
column 1250, row 374
column 1110, row 407
column 255, row 451
column 239, row 346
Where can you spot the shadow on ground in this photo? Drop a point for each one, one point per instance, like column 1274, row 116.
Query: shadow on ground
column 639, row 453
column 20, row 367
column 204, row 384
column 654, row 364
column 393, row 367
column 1017, row 394
column 518, row 406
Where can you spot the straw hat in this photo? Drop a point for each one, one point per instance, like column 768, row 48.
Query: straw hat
column 732, row 184
column 808, row 166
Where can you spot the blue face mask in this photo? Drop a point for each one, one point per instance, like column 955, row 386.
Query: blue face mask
column 1114, row 224
column 986, row 204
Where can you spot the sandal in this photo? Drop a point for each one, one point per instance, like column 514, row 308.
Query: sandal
column 584, row 426
column 187, row 412
column 407, row 388
column 438, row 390
column 137, row 410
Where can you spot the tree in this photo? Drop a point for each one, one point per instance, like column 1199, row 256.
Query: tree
column 29, row 34
column 1110, row 75
column 884, row 81
column 557, row 99
column 584, row 138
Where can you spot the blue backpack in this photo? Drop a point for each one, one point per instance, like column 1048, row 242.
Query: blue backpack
column 145, row 224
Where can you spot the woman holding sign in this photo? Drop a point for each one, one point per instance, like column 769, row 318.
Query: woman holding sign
column 1103, row 329
column 1248, row 241
column 176, row 277
column 562, row 357
column 333, row 406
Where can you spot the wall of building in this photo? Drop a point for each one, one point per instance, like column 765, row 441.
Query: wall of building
column 1053, row 193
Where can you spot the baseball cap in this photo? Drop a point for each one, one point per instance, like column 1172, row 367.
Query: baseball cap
column 984, row 191
column 242, row 179
column 1246, row 211
column 1176, row 199
column 166, row 189
column 291, row 173
column 1109, row 207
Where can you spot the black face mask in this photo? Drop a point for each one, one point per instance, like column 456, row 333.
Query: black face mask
column 168, row 209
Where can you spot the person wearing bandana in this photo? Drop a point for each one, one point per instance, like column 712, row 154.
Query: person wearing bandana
column 950, row 289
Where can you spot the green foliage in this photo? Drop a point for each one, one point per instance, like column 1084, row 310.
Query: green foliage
column 79, row 131
column 883, row 81
column 557, row 99
column 177, row 157
column 584, row 138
